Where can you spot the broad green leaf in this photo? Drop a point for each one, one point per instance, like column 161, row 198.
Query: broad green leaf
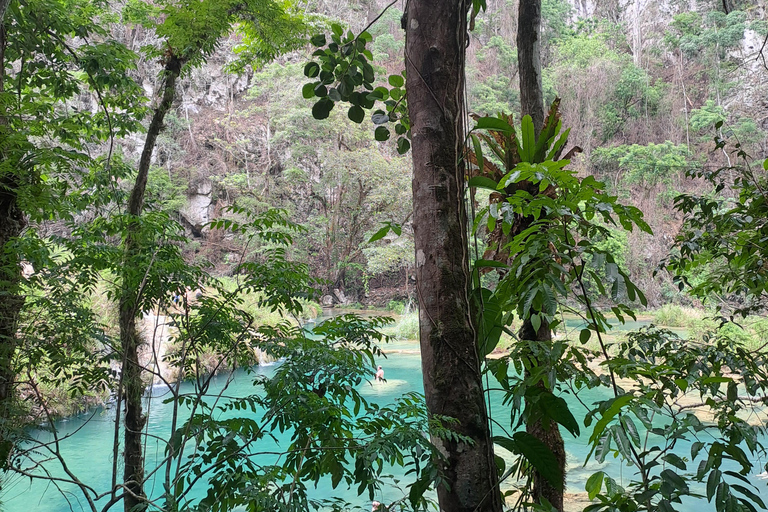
column 493, row 123
column 322, row 109
column 594, row 484
column 308, row 91
column 403, row 145
column 381, row 133
column 356, row 114
column 396, row 80
column 380, row 234
column 311, row 69
column 482, row 182
column 557, row 409
column 540, row 457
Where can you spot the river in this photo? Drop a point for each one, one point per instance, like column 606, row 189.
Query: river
column 88, row 449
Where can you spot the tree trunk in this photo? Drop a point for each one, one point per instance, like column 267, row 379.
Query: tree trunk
column 529, row 61
column 548, row 434
column 532, row 103
column 435, row 43
column 3, row 7
column 133, row 475
column 12, row 223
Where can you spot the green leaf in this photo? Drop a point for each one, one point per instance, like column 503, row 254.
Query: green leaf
column 540, row 457
column 308, row 91
column 336, row 28
column 528, row 135
column 356, row 114
column 675, row 460
column 675, row 479
column 556, row 408
column 311, row 69
column 482, row 182
column 613, row 408
column 584, row 335
column 594, row 484
column 490, row 263
column 403, row 145
column 536, row 322
column 494, row 124
column 322, row 109
column 396, row 80
column 749, row 494
column 631, row 430
column 318, row 40
column 381, row 133
column 380, row 234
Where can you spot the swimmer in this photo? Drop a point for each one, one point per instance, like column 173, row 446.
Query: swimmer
column 379, row 374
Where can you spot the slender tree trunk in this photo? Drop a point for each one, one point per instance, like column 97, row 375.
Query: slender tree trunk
column 435, row 43
column 532, row 102
column 12, row 223
column 135, row 420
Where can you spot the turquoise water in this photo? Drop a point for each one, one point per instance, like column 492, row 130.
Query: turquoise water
column 88, row 441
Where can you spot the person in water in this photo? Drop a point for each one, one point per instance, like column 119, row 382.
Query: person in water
column 379, row 374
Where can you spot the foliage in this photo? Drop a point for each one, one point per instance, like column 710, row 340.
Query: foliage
column 647, row 165
column 344, row 74
column 726, row 233
column 673, row 380
column 544, row 225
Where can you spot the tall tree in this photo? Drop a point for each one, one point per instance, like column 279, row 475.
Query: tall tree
column 43, row 142
column 191, row 32
column 436, row 34
column 532, row 103
column 529, row 59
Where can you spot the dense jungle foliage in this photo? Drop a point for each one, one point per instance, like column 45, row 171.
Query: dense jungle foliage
column 184, row 183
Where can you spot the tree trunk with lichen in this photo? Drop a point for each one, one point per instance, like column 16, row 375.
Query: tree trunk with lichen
column 532, row 103
column 133, row 385
column 435, row 42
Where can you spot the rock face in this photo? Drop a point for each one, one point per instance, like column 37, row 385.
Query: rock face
column 157, row 331
column 197, row 210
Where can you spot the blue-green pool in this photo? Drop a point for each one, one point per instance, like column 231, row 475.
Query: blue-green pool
column 88, row 447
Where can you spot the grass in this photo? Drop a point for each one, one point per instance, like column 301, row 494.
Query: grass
column 674, row 315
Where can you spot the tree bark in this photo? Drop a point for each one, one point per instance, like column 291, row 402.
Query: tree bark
column 3, row 8
column 135, row 420
column 435, row 43
column 529, row 61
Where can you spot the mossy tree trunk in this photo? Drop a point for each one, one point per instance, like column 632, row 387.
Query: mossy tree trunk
column 133, row 384
column 435, row 42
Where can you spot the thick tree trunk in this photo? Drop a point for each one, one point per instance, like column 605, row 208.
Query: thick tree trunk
column 435, row 43
column 12, row 223
column 133, row 475
column 529, row 61
column 532, row 103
